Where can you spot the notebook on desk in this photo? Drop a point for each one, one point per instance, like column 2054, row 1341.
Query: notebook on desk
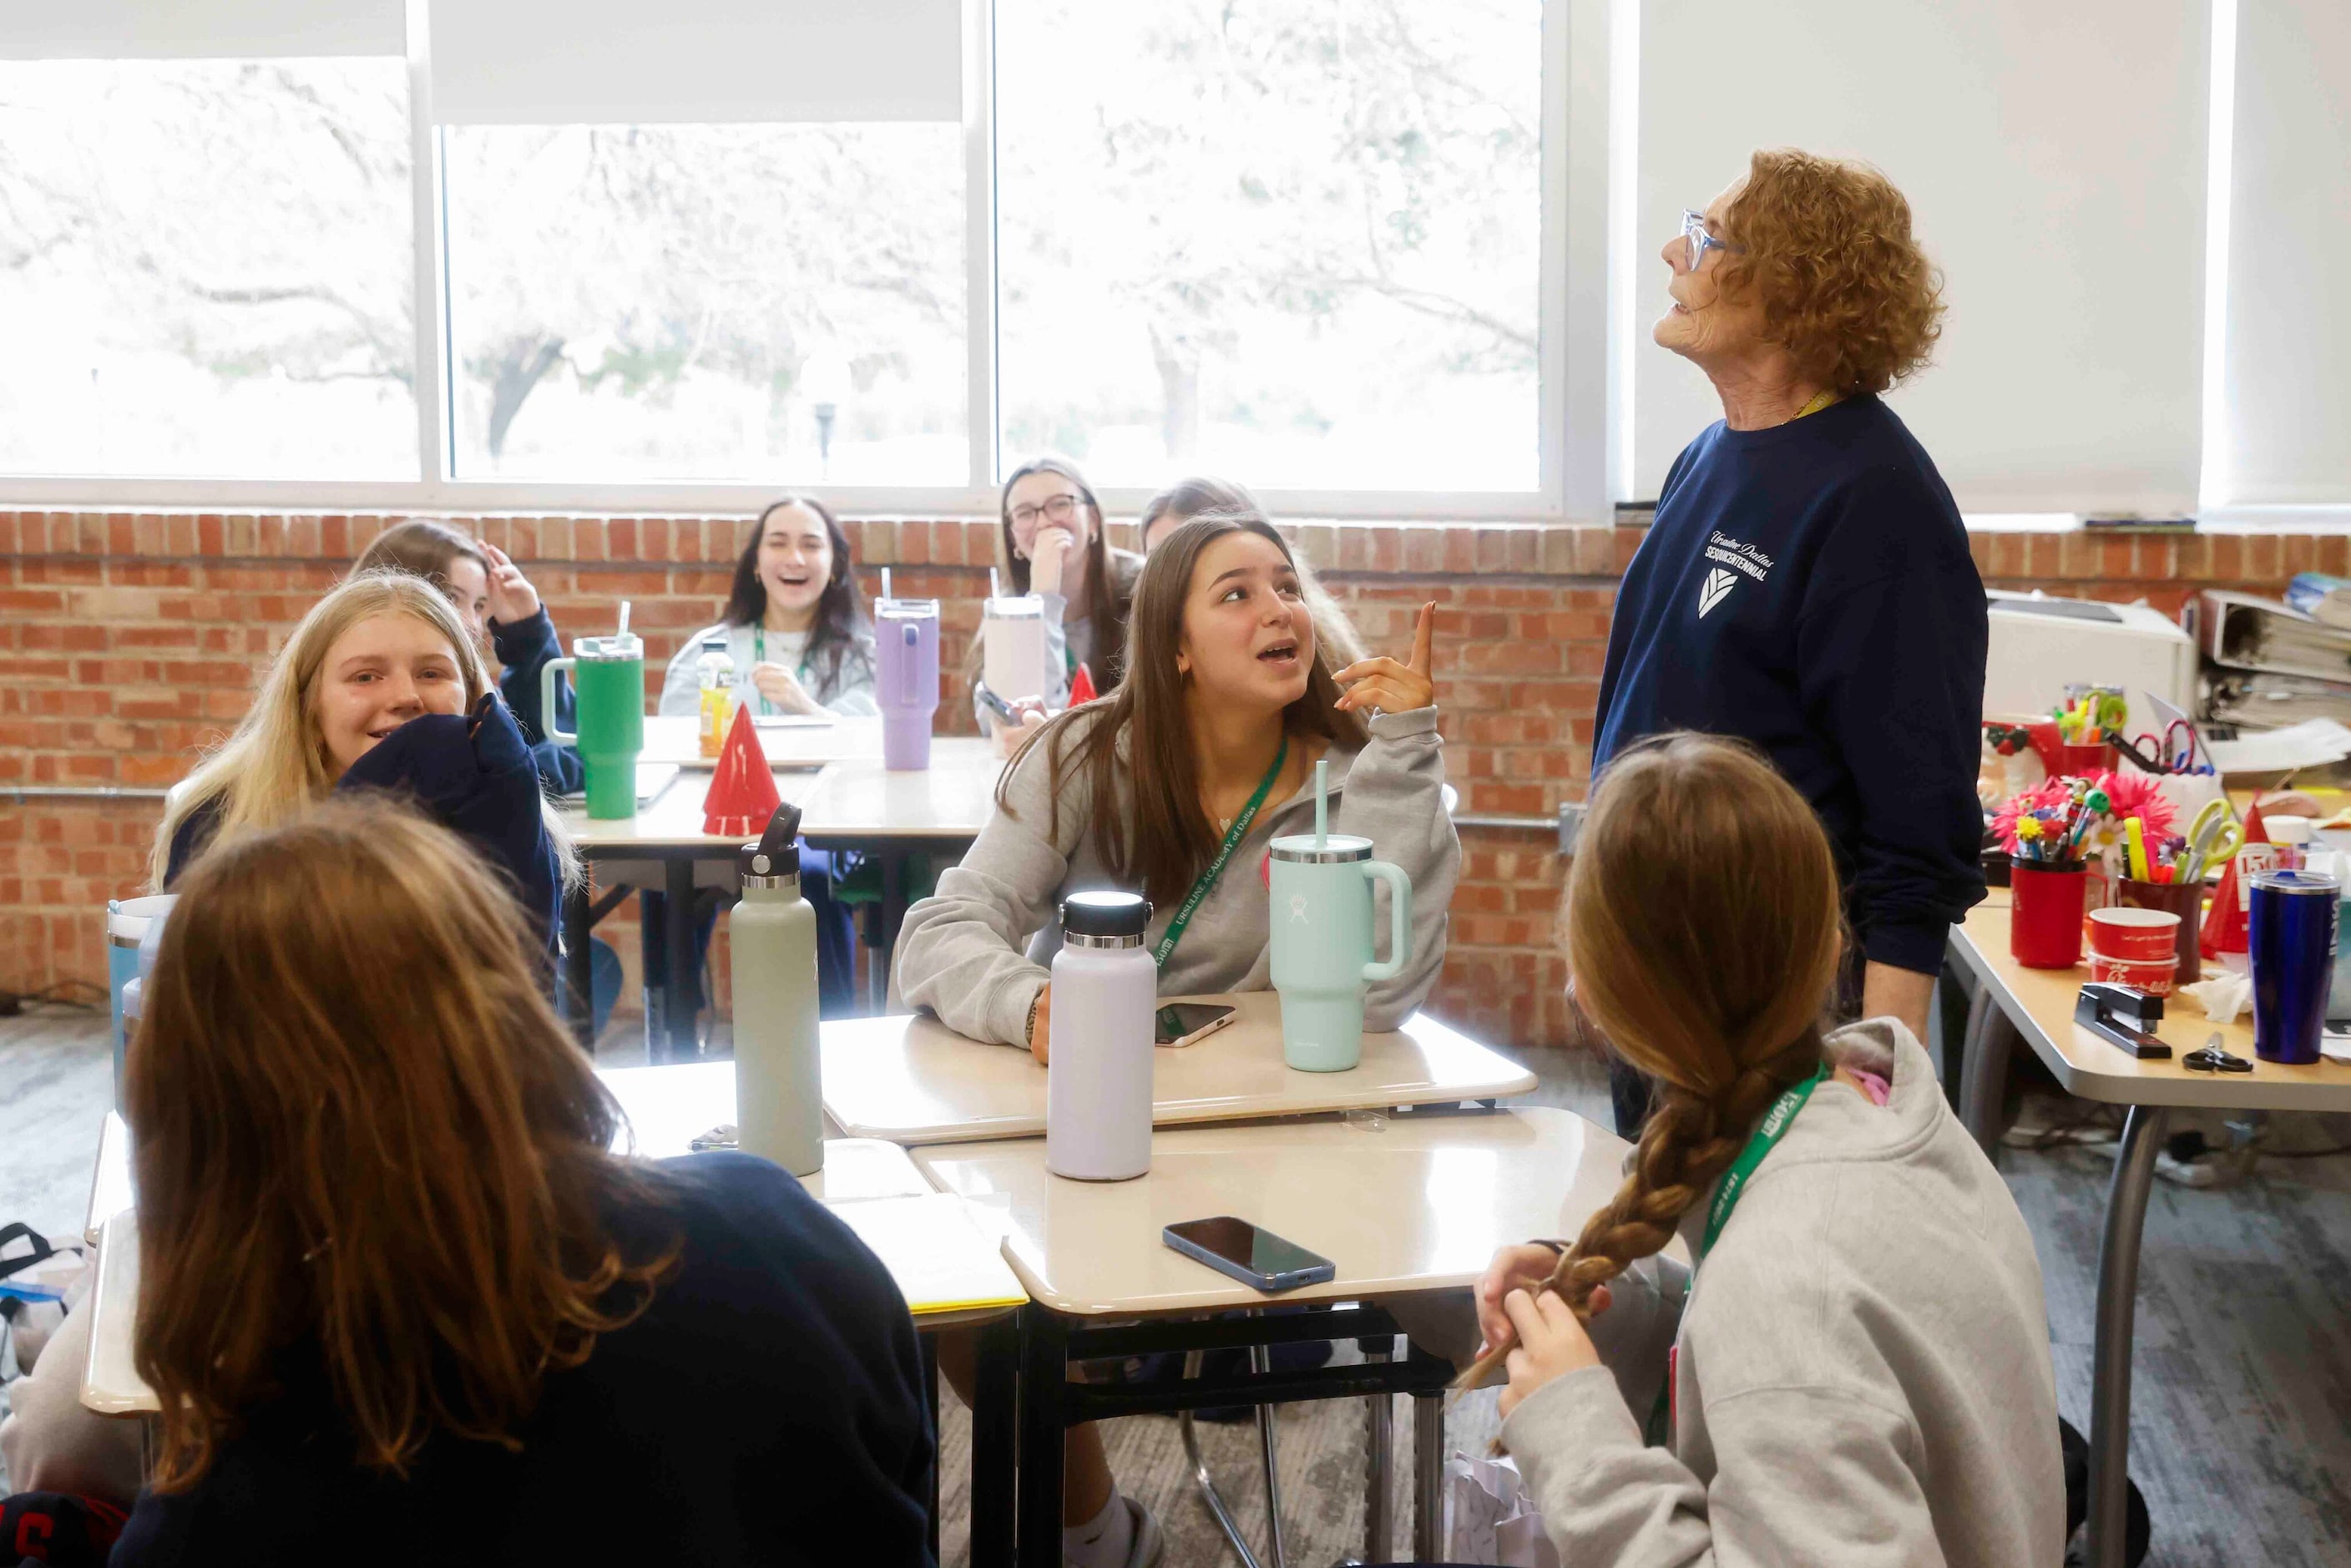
column 652, row 777
column 935, row 1251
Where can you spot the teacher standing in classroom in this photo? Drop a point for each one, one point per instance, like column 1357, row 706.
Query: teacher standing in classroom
column 1806, row 584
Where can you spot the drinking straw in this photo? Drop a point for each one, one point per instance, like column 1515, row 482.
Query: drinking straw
column 995, row 589
column 624, row 618
column 1322, row 803
column 885, row 583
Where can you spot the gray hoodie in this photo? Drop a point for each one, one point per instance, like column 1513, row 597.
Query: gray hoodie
column 960, row 952
column 850, row 692
column 1864, row 1372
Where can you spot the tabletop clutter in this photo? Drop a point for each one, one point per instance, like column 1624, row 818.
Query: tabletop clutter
column 2103, row 863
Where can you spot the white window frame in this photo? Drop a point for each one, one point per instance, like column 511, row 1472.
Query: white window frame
column 1575, row 399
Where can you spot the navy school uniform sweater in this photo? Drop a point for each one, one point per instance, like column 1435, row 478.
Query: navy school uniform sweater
column 470, row 772
column 524, row 648
column 767, row 1407
column 1809, row 589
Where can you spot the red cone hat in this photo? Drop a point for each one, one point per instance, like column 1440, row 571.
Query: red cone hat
column 743, row 791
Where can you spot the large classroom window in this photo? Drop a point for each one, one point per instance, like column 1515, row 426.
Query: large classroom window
column 1287, row 239
column 206, row 268
column 252, row 252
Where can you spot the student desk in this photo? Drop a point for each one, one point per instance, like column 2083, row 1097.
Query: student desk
column 793, row 743
column 2013, row 1002
column 1421, row 1206
column 846, row 802
column 912, row 1080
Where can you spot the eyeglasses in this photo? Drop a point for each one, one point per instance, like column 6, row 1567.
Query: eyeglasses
column 1699, row 242
column 1057, row 511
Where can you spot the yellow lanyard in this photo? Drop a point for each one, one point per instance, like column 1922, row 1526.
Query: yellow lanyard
column 1821, row 399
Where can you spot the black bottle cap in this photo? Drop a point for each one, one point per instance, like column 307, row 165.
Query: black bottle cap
column 778, row 852
column 1108, row 913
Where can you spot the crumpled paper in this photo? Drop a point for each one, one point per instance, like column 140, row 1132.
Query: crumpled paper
column 2223, row 995
column 1489, row 1518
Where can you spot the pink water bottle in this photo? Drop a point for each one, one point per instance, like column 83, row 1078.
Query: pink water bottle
column 906, row 642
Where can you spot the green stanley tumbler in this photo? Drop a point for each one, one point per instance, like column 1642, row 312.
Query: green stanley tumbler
column 608, row 680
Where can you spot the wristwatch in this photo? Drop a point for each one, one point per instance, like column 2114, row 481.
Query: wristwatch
column 1029, row 1031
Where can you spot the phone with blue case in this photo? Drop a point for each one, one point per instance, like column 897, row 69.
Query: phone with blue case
column 1254, row 1256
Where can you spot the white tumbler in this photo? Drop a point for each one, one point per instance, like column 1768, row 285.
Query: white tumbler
column 1098, row 1077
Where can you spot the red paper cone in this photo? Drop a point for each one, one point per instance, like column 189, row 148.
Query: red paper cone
column 1082, row 687
column 743, row 791
column 2227, row 929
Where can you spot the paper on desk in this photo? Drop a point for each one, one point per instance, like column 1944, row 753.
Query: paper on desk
column 933, row 1249
column 2335, row 1046
column 2313, row 743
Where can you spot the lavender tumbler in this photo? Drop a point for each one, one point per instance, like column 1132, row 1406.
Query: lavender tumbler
column 906, row 642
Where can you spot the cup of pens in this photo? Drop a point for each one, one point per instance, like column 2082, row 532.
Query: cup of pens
column 2043, row 831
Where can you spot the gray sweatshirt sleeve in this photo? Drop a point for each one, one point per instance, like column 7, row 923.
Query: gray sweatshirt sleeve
column 852, row 694
column 1395, row 796
column 960, row 951
column 1810, row 1474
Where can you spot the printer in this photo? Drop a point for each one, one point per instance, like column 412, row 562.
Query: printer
column 2040, row 645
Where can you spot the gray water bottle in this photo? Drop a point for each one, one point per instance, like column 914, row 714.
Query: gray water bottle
column 779, row 1084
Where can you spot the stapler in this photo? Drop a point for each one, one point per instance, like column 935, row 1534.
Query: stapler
column 2122, row 1016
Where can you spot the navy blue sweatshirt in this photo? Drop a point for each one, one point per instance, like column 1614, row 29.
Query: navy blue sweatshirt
column 469, row 772
column 767, row 1407
column 1808, row 587
column 524, row 648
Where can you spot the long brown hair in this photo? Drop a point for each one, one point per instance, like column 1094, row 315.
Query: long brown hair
column 1164, row 840
column 840, row 627
column 363, row 1140
column 1703, row 933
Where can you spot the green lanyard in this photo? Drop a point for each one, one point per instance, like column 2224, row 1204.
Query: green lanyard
column 1766, row 1133
column 759, row 656
column 1233, row 836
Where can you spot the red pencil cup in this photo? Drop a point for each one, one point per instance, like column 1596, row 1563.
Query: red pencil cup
column 2045, row 922
column 2069, row 761
column 2184, row 899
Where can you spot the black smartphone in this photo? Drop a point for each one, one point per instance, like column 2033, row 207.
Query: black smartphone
column 1249, row 1254
column 995, row 704
column 1181, row 1023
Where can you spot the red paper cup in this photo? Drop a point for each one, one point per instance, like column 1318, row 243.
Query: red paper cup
column 2155, row 978
column 2184, row 899
column 2044, row 923
column 2140, row 934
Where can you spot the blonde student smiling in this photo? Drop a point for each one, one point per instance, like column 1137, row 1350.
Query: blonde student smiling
column 380, row 687
column 1862, row 1370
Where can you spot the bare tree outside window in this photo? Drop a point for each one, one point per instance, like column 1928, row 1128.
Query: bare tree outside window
column 206, row 268
column 722, row 301
column 1291, row 240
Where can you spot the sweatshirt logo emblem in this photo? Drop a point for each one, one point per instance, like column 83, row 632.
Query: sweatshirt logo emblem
column 1718, row 584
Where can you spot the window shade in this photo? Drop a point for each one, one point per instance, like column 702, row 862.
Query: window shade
column 624, row 62
column 2055, row 162
column 2285, row 438
column 199, row 29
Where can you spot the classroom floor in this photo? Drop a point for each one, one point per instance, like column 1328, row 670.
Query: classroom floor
column 2242, row 1418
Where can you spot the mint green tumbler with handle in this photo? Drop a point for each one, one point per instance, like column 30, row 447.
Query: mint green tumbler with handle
column 608, row 682
column 1321, row 920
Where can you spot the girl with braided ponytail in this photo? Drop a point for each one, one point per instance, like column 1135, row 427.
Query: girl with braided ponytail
column 1865, row 1374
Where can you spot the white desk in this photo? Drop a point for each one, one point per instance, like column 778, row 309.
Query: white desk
column 912, row 1080
column 2013, row 1002
column 678, row 738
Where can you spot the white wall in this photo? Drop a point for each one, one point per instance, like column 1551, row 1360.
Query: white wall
column 2054, row 160
column 2286, row 429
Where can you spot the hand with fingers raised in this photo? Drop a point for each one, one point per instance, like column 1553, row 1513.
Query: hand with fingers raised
column 512, row 598
column 1381, row 685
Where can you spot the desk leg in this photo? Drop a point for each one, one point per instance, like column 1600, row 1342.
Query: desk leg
column 2110, row 1374
column 1261, row 1361
column 579, row 969
column 1983, row 1071
column 1428, row 1473
column 1044, row 1374
column 994, row 1439
column 1379, row 1460
column 678, row 938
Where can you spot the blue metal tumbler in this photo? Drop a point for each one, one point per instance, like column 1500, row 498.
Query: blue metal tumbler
column 2291, row 945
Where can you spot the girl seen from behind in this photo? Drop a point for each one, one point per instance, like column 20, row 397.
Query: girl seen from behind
column 1864, row 1353
column 380, row 687
column 400, row 1302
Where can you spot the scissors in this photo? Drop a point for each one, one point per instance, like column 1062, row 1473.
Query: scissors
column 2174, row 718
column 2213, row 837
column 2168, row 759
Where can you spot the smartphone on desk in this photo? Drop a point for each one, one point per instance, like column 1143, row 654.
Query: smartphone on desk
column 1249, row 1253
column 1184, row 1023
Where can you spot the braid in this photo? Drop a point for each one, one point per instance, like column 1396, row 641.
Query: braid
column 1688, row 1140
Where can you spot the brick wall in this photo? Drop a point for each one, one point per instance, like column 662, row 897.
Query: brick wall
column 130, row 641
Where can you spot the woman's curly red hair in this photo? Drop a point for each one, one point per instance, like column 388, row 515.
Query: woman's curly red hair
column 1844, row 287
